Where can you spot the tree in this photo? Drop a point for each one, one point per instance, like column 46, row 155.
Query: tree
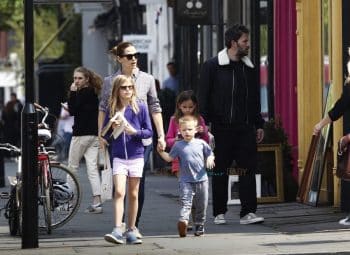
column 45, row 23
column 11, row 13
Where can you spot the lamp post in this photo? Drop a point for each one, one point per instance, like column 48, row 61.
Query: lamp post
column 29, row 138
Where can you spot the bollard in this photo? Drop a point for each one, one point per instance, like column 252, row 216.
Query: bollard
column 29, row 177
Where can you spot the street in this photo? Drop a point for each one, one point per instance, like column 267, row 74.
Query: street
column 289, row 228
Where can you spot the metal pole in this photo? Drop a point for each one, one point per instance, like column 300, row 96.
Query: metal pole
column 2, row 170
column 29, row 139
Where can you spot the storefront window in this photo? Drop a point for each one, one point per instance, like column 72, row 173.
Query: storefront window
column 265, row 57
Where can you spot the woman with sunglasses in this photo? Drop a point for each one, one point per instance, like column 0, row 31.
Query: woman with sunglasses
column 127, row 153
column 126, row 55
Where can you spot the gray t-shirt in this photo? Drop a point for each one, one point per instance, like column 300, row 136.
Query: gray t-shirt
column 192, row 157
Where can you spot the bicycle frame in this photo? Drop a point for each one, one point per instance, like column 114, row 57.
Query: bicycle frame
column 43, row 164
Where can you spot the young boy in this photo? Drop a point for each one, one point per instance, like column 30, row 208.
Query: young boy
column 195, row 156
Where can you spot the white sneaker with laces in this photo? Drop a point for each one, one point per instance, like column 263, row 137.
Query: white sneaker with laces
column 251, row 218
column 345, row 221
column 220, row 219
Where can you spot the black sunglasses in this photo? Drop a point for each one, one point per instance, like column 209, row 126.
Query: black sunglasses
column 130, row 56
column 129, row 87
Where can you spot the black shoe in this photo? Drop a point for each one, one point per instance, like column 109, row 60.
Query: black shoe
column 199, row 230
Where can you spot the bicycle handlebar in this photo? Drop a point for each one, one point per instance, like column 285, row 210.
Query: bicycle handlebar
column 44, row 110
column 11, row 148
column 38, row 106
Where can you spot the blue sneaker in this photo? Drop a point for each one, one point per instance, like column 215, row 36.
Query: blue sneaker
column 115, row 237
column 131, row 238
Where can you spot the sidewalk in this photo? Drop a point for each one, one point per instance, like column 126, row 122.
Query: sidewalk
column 289, row 228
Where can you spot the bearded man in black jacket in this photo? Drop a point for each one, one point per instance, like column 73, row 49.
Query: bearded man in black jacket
column 229, row 99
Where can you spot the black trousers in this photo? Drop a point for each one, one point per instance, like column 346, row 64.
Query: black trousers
column 234, row 142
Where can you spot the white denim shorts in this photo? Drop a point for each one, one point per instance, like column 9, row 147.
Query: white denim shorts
column 128, row 167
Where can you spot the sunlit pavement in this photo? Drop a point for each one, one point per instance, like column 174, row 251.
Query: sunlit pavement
column 289, row 228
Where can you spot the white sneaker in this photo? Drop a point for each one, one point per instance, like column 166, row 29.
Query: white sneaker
column 345, row 222
column 251, row 218
column 95, row 209
column 137, row 233
column 220, row 219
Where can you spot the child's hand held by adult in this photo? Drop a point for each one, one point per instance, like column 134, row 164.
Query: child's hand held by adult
column 161, row 143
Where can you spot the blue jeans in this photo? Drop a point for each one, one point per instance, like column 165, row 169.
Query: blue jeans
column 147, row 153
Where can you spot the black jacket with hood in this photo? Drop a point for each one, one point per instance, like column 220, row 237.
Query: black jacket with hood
column 216, row 91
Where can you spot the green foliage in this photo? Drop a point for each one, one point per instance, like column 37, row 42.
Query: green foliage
column 11, row 13
column 45, row 24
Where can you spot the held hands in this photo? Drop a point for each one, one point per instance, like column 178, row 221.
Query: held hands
column 210, row 162
column 161, row 143
column 159, row 150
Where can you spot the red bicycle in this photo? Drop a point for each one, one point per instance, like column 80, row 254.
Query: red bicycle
column 59, row 193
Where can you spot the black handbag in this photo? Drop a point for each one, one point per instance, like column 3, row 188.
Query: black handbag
column 343, row 162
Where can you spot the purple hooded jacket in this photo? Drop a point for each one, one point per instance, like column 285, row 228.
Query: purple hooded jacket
column 130, row 146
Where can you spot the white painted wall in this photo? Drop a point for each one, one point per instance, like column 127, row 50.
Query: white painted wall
column 95, row 46
column 162, row 34
column 94, row 43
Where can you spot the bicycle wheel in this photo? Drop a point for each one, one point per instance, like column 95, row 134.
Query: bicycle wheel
column 66, row 196
column 45, row 189
column 12, row 213
column 19, row 206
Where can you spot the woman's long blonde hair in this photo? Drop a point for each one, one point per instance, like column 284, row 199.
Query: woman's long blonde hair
column 115, row 103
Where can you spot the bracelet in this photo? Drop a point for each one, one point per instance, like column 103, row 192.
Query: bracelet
column 160, row 136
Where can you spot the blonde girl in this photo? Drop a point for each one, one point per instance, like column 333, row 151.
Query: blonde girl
column 127, row 152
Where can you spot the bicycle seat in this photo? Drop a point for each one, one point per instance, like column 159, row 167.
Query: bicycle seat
column 44, row 134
